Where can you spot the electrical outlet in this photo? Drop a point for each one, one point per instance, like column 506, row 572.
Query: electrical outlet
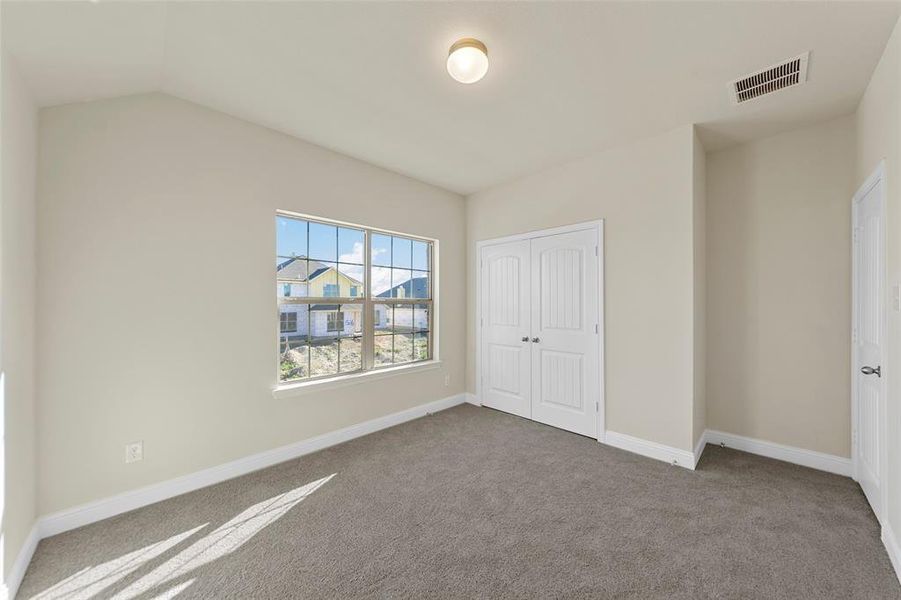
column 134, row 452
column 446, row 380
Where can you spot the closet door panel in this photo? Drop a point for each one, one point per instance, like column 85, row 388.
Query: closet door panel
column 505, row 312
column 565, row 331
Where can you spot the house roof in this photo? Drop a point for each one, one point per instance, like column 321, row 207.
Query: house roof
column 298, row 268
column 418, row 287
column 326, row 307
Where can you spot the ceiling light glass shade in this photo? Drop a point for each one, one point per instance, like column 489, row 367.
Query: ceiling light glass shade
column 467, row 61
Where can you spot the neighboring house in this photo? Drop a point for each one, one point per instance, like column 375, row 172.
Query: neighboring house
column 302, row 278
column 418, row 287
column 405, row 316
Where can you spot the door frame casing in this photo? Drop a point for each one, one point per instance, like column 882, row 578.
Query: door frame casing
column 876, row 177
column 598, row 227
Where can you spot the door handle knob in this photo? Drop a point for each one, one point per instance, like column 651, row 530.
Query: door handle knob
column 536, row 340
column 871, row 371
column 525, row 338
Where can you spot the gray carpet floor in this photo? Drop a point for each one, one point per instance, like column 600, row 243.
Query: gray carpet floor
column 479, row 504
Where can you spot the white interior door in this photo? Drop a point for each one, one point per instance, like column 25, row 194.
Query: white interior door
column 565, row 331
column 505, row 327
column 868, row 340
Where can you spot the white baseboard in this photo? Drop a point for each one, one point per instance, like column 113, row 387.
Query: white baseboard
column 14, row 578
column 668, row 454
column 108, row 507
column 891, row 546
column 699, row 448
column 798, row 456
column 473, row 399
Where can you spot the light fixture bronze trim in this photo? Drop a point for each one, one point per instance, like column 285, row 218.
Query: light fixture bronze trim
column 467, row 43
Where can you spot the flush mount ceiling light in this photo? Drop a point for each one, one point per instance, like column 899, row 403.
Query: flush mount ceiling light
column 467, row 60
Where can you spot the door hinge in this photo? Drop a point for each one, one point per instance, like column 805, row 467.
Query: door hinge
column 596, row 251
column 597, row 328
column 597, row 407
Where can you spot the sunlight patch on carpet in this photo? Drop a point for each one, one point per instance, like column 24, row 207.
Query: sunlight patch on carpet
column 223, row 541
column 92, row 580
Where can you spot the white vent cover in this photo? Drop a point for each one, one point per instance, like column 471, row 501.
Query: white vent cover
column 788, row 73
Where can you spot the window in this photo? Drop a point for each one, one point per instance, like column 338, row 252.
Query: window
column 288, row 322
column 351, row 299
column 335, row 322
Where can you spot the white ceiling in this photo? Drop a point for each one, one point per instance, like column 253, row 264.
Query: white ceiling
column 368, row 80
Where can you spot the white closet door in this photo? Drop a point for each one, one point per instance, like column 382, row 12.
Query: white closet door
column 868, row 278
column 564, row 338
column 505, row 327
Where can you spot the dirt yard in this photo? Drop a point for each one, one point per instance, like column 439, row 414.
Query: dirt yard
column 322, row 357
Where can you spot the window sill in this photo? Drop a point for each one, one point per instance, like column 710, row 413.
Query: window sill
column 309, row 387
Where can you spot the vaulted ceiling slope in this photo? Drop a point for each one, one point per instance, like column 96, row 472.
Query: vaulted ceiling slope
column 368, row 79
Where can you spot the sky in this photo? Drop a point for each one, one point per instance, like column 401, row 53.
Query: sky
column 393, row 257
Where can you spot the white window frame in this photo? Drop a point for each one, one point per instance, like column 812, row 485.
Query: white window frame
column 369, row 370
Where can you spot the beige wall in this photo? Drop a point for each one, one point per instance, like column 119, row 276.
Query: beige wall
column 879, row 137
column 644, row 193
column 156, row 225
column 778, row 312
column 18, row 130
column 699, row 237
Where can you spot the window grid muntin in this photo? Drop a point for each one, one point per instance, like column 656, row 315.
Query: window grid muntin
column 367, row 301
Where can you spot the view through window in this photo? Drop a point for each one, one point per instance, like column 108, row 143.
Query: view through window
column 350, row 299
